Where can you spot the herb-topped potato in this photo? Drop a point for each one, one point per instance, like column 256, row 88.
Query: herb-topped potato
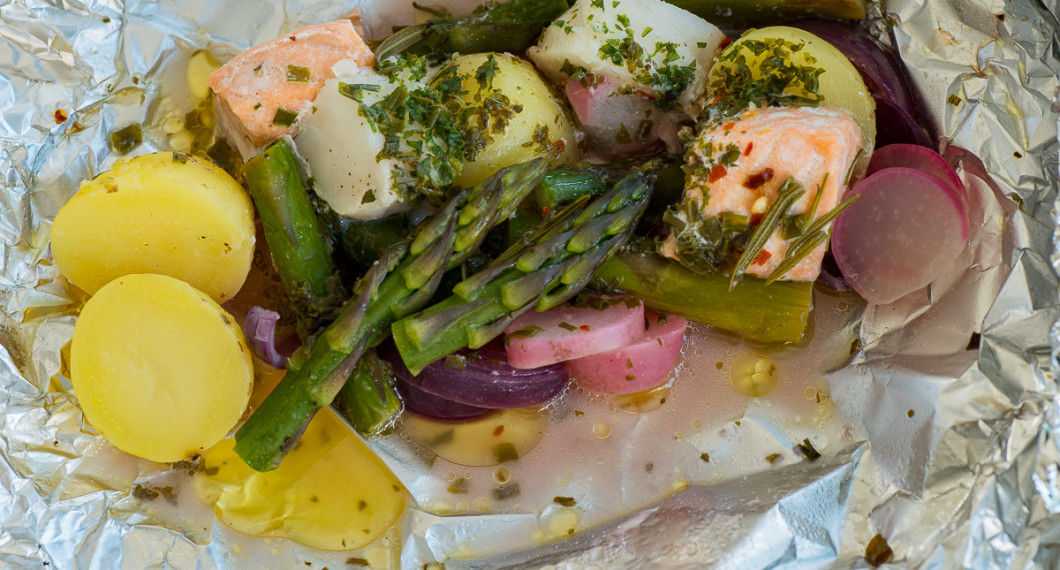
column 790, row 67
column 516, row 119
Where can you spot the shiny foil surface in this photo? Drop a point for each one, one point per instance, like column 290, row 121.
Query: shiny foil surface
column 936, row 416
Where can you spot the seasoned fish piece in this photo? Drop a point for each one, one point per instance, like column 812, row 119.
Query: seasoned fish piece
column 737, row 168
column 263, row 91
column 632, row 69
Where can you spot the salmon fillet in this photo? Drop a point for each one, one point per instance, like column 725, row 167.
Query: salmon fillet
column 285, row 73
column 773, row 143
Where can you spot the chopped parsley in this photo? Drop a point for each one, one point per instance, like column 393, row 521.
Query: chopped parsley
column 659, row 69
column 761, row 73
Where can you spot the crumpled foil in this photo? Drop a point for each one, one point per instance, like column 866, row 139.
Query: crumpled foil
column 938, row 430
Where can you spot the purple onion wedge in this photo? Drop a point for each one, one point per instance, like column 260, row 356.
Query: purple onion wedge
column 436, row 407
column 483, row 378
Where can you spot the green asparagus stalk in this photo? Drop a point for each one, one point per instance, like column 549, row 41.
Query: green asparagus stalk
column 772, row 313
column 368, row 400
column 746, row 12
column 399, row 283
column 510, row 26
column 552, row 264
column 299, row 252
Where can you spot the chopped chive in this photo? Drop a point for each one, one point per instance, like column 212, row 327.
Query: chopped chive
column 353, row 90
column 505, row 452
column 567, row 326
column 527, row 331
column 284, row 117
column 298, row 73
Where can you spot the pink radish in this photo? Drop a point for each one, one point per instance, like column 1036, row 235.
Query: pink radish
column 636, row 367
column 903, row 231
column 604, row 111
column 565, row 332
column 918, row 157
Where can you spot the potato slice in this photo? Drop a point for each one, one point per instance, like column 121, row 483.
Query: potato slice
column 158, row 368
column 164, row 213
column 536, row 110
column 331, row 492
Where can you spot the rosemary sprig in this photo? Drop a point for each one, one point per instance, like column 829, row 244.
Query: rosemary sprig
column 814, row 236
column 788, row 193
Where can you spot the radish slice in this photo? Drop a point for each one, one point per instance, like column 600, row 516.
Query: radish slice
column 920, row 158
column 637, row 367
column 565, row 333
column 902, row 232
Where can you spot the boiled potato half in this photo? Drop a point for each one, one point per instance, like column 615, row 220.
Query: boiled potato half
column 537, row 109
column 840, row 84
column 165, row 213
column 159, row 368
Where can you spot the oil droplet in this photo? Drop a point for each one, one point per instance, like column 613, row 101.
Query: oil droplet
column 610, row 406
column 697, row 425
column 679, row 484
column 502, row 475
column 602, row 430
column 481, row 505
column 462, row 508
column 842, row 306
column 618, row 463
column 810, row 393
column 377, row 557
column 644, row 402
column 599, row 459
column 450, row 476
column 562, row 522
column 442, row 508
column 753, row 374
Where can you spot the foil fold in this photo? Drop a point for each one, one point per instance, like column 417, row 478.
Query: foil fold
column 972, row 479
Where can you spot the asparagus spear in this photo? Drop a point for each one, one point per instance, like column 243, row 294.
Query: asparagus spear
column 770, row 314
column 499, row 27
column 549, row 267
column 399, row 283
column 299, row 252
column 368, row 400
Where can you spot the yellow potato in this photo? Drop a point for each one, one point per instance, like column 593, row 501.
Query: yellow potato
column 164, row 213
column 331, row 492
column 517, row 80
column 840, row 84
column 159, row 368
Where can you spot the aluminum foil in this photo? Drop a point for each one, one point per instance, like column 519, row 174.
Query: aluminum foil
column 937, row 430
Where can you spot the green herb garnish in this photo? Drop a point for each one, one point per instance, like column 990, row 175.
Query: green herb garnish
column 528, row 331
column 284, row 117
column 297, row 73
column 505, row 452
column 786, row 196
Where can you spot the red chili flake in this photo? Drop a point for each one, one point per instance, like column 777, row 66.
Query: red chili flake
column 724, row 42
column 717, row 172
column 584, row 328
column 757, row 219
column 762, row 257
column 545, row 212
column 747, row 149
column 728, row 126
column 498, row 430
column 560, row 145
column 60, row 116
column 759, row 178
column 718, row 98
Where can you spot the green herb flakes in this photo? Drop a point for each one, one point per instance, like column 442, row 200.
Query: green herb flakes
column 297, row 73
column 528, row 331
column 284, row 117
column 809, row 453
column 124, row 140
column 772, row 458
column 705, row 457
column 567, row 326
column 564, row 501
